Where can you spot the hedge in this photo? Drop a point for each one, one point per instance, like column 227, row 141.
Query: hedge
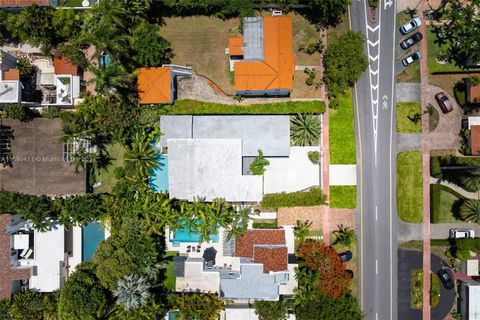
column 293, row 199
column 288, row 107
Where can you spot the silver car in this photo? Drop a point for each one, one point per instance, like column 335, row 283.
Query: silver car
column 458, row 233
column 410, row 26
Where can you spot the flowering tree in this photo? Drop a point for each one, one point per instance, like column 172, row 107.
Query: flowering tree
column 331, row 277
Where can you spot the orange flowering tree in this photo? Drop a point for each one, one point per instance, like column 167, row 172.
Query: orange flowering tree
column 330, row 276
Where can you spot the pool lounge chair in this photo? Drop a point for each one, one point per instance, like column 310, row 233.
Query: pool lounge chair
column 189, row 248
column 26, row 253
column 199, row 248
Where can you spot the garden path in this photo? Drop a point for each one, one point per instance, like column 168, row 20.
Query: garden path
column 408, row 142
column 463, row 192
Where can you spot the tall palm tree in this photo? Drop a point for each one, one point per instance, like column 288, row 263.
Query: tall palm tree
column 240, row 223
column 140, row 157
column 302, row 230
column 132, row 291
column 344, row 235
column 305, row 130
column 470, row 178
column 470, row 210
column 110, row 79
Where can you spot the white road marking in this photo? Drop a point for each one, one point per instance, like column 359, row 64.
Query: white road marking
column 373, row 58
column 374, row 72
column 388, row 4
column 376, row 266
column 375, row 87
column 373, row 44
column 376, row 316
column 373, row 29
column 376, row 213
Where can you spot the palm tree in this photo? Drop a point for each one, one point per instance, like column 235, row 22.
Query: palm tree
column 132, row 291
column 305, row 130
column 470, row 210
column 140, row 157
column 302, row 230
column 257, row 167
column 240, row 223
column 109, row 79
column 470, row 179
column 344, row 235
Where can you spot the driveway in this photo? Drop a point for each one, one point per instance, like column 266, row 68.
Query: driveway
column 409, row 260
column 440, row 230
column 407, row 92
column 445, row 136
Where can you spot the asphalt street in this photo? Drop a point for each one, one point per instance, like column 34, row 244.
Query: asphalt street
column 376, row 149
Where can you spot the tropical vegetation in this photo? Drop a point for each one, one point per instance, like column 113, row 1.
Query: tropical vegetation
column 470, row 210
column 305, row 130
column 257, row 167
column 312, row 197
column 272, row 310
column 197, row 306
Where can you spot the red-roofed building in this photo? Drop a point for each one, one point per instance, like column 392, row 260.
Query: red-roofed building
column 264, row 246
column 26, row 3
column 63, row 66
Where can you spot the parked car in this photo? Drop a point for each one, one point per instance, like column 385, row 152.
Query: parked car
column 410, row 26
column 349, row 273
column 345, row 256
column 443, row 102
column 459, row 233
column 446, row 278
column 414, row 57
column 410, row 41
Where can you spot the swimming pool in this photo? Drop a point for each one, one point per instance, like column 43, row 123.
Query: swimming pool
column 92, row 235
column 183, row 236
column 159, row 176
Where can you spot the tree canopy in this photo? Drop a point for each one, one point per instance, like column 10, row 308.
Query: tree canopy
column 459, row 31
column 271, row 310
column 319, row 306
column 199, row 306
column 344, row 61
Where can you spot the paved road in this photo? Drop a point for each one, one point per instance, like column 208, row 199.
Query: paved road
column 376, row 149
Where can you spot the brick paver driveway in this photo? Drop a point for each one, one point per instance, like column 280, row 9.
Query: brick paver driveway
column 446, row 135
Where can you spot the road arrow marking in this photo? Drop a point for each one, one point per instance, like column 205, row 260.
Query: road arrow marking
column 373, row 29
column 373, row 58
column 374, row 87
column 374, row 72
column 388, row 4
column 373, row 44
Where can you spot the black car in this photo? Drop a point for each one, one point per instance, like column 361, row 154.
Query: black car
column 345, row 256
column 410, row 41
column 446, row 278
column 414, row 57
column 349, row 273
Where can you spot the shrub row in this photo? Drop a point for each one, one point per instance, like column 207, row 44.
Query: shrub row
column 288, row 107
column 293, row 199
column 449, row 161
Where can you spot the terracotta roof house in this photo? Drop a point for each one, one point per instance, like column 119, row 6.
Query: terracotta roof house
column 13, row 4
column 474, row 126
column 264, row 63
column 472, row 92
column 158, row 85
column 254, row 267
column 10, row 87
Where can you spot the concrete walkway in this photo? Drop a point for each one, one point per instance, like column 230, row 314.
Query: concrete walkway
column 343, row 175
column 409, row 231
column 408, row 142
column 426, row 167
column 407, row 92
column 463, row 192
column 302, row 68
column 441, row 230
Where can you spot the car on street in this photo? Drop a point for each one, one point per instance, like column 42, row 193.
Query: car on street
column 410, row 41
column 345, row 256
column 349, row 273
column 460, row 233
column 443, row 102
column 414, row 57
column 410, row 26
column 446, row 278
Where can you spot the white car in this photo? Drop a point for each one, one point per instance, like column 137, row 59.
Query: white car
column 462, row 233
column 410, row 26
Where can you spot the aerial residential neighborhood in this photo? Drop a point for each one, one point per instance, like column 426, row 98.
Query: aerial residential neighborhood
column 239, row 160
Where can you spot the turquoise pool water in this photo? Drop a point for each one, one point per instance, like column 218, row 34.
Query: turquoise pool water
column 92, row 235
column 183, row 236
column 172, row 316
column 159, row 176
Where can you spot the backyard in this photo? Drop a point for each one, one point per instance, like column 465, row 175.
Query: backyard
column 343, row 197
column 409, row 186
column 304, row 33
column 200, row 42
column 409, row 117
column 445, row 204
column 106, row 175
column 169, row 280
column 342, row 132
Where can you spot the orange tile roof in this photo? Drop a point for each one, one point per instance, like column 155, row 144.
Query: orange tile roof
column 11, row 74
column 273, row 258
column 278, row 67
column 23, row 3
column 474, row 93
column 245, row 245
column 475, row 140
column 154, row 85
column 235, row 46
column 63, row 66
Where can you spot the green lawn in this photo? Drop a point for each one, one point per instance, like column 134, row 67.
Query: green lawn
column 416, row 286
column 444, row 203
column 169, row 281
column 343, row 197
column 342, row 132
column 106, row 176
column 433, row 48
column 409, row 186
column 406, row 112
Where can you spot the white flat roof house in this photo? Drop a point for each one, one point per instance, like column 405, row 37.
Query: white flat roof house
column 470, row 299
column 10, row 87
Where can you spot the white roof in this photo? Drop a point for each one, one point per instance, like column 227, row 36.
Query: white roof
column 472, row 267
column 473, row 302
column 49, row 253
column 473, row 121
column 10, row 91
column 240, row 314
column 210, row 168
